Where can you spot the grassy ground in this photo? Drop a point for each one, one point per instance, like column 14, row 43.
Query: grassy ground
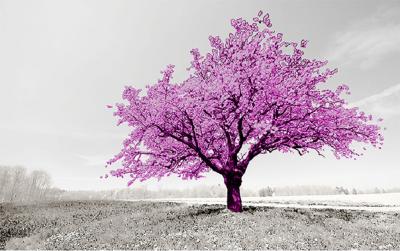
column 162, row 225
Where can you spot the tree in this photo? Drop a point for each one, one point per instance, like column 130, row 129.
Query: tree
column 4, row 182
column 18, row 178
column 254, row 93
column 16, row 185
column 268, row 191
column 40, row 182
column 377, row 190
column 342, row 190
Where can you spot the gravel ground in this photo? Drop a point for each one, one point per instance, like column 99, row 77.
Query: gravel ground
column 166, row 225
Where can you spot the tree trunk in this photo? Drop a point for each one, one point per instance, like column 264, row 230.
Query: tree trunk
column 234, row 201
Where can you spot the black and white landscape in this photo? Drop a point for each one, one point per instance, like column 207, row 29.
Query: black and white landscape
column 64, row 62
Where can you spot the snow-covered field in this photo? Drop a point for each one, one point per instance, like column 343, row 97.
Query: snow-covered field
column 370, row 202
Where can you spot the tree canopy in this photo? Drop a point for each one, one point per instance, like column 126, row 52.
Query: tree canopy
column 252, row 94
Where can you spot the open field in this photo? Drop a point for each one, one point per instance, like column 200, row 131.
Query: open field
column 166, row 225
column 368, row 202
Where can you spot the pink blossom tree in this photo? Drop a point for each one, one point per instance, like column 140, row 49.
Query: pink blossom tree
column 254, row 93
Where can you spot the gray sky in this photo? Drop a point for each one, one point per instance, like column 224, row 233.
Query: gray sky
column 63, row 61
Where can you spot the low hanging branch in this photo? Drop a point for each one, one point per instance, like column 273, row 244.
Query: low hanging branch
column 248, row 91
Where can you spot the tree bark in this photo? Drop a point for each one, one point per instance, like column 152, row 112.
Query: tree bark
column 234, row 201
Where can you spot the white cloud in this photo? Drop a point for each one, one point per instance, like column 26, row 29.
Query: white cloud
column 368, row 42
column 385, row 104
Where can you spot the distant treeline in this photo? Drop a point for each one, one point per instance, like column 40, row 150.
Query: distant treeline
column 18, row 185
column 319, row 190
column 211, row 192
column 144, row 193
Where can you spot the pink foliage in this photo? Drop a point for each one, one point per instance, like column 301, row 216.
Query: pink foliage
column 248, row 96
